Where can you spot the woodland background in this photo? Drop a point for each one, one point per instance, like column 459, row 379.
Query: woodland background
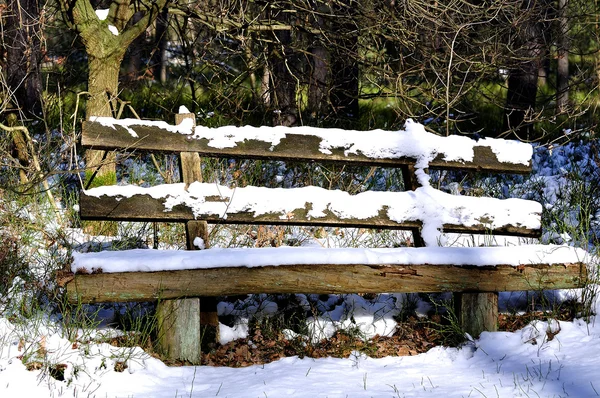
column 524, row 69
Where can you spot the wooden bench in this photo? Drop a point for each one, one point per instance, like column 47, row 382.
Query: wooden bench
column 178, row 278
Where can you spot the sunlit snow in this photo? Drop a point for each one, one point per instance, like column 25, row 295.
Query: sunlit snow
column 168, row 260
column 102, row 13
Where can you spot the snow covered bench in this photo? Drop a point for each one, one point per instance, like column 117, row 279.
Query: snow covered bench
column 476, row 273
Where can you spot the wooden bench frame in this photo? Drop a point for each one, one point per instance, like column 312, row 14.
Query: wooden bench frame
column 178, row 292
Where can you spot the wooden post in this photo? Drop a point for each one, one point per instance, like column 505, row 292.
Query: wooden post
column 187, row 325
column 209, row 319
column 179, row 329
column 477, row 312
column 410, row 184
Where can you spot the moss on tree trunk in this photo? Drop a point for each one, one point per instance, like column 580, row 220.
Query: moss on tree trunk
column 103, row 85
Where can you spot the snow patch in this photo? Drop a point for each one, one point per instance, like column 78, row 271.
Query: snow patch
column 102, row 14
column 185, row 127
column 199, row 243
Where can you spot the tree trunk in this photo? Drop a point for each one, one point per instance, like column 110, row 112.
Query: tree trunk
column 134, row 58
column 345, row 88
column 105, row 50
column 520, row 101
column 543, row 74
column 23, row 34
column 103, row 85
column 284, row 83
column 317, row 86
column 562, row 81
column 344, row 95
column 160, row 56
column 319, row 73
column 22, row 43
column 265, row 85
column 19, row 149
column 523, row 78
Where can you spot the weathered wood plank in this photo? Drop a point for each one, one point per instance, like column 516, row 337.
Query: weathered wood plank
column 321, row 279
column 146, row 208
column 293, row 147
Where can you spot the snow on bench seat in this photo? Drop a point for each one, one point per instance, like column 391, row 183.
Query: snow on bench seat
column 146, row 274
column 313, row 205
column 150, row 260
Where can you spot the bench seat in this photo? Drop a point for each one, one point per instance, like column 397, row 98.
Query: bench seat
column 146, row 274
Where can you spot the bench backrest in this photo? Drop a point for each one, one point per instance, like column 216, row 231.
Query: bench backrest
column 313, row 206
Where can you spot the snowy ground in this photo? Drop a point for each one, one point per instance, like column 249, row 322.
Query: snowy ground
column 556, row 359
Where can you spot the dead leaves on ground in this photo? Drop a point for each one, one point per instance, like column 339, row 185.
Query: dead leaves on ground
column 412, row 337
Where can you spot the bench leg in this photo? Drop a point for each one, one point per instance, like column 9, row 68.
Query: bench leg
column 209, row 323
column 208, row 315
column 179, row 331
column 477, row 312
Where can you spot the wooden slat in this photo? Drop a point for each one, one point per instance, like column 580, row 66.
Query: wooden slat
column 410, row 184
column 146, row 208
column 321, row 279
column 293, row 147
